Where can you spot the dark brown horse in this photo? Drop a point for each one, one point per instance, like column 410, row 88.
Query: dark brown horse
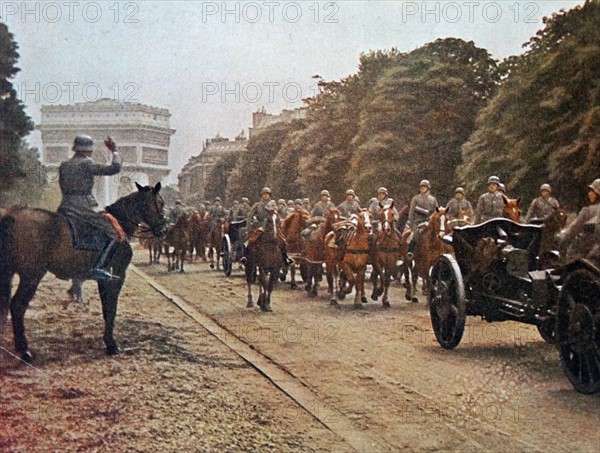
column 291, row 230
column 549, row 243
column 390, row 250
column 35, row 241
column 356, row 256
column 199, row 229
column 215, row 241
column 265, row 261
column 176, row 243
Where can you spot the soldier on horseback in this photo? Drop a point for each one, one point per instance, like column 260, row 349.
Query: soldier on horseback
column 176, row 212
column 350, row 205
column 422, row 206
column 322, row 206
column 257, row 219
column 543, row 206
column 582, row 236
column 459, row 205
column 217, row 212
column 491, row 203
column 378, row 203
column 76, row 181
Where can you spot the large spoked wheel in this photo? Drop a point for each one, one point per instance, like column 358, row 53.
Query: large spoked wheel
column 447, row 304
column 578, row 330
column 227, row 251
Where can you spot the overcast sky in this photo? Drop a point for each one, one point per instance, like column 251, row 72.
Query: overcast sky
column 213, row 63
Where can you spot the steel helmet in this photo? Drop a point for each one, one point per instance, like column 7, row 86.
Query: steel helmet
column 83, row 143
column 266, row 190
column 459, row 190
column 350, row 192
column 324, row 192
column 545, row 187
column 217, row 199
column 271, row 205
column 502, row 188
column 493, row 179
column 245, row 199
column 595, row 186
column 426, row 183
column 281, row 201
column 298, row 201
column 382, row 190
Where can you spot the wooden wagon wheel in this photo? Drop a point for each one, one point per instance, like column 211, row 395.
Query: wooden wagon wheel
column 447, row 303
column 578, row 330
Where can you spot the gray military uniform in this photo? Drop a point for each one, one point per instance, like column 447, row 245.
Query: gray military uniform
column 175, row 213
column 456, row 206
column 321, row 208
column 541, row 208
column 76, row 180
column 217, row 212
column 583, row 234
column 347, row 208
column 257, row 217
column 489, row 206
column 422, row 206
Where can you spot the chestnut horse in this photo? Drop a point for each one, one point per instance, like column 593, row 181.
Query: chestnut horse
column 356, row 256
column 429, row 247
column 291, row 230
column 264, row 255
column 512, row 208
column 36, row 241
column 390, row 250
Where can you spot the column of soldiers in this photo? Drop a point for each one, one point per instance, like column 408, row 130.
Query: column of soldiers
column 489, row 205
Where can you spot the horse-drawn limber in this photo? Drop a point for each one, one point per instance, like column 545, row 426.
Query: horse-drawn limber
column 495, row 273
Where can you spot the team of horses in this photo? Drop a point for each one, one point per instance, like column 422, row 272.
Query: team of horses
column 339, row 247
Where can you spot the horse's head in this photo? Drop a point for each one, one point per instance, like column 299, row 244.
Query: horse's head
column 150, row 207
column 466, row 216
column 363, row 219
column 386, row 217
column 144, row 206
column 437, row 221
column 333, row 215
column 512, row 208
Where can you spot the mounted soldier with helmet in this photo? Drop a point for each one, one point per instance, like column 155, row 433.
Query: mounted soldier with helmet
column 491, row 203
column 421, row 207
column 78, row 205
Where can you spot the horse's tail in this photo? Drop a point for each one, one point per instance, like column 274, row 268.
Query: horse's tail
column 6, row 226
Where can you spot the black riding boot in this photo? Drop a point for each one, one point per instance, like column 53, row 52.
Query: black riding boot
column 98, row 272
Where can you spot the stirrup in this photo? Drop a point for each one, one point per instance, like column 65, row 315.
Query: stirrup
column 243, row 260
column 102, row 275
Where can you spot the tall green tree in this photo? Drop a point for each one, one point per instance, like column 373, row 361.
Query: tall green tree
column 422, row 109
column 544, row 123
column 14, row 123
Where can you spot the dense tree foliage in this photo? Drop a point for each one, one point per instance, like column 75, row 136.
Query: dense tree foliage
column 14, row 123
column 421, row 111
column 29, row 186
column 252, row 171
column 217, row 179
column 544, row 124
column 446, row 112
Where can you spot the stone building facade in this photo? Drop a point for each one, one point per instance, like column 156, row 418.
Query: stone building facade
column 142, row 134
column 194, row 175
